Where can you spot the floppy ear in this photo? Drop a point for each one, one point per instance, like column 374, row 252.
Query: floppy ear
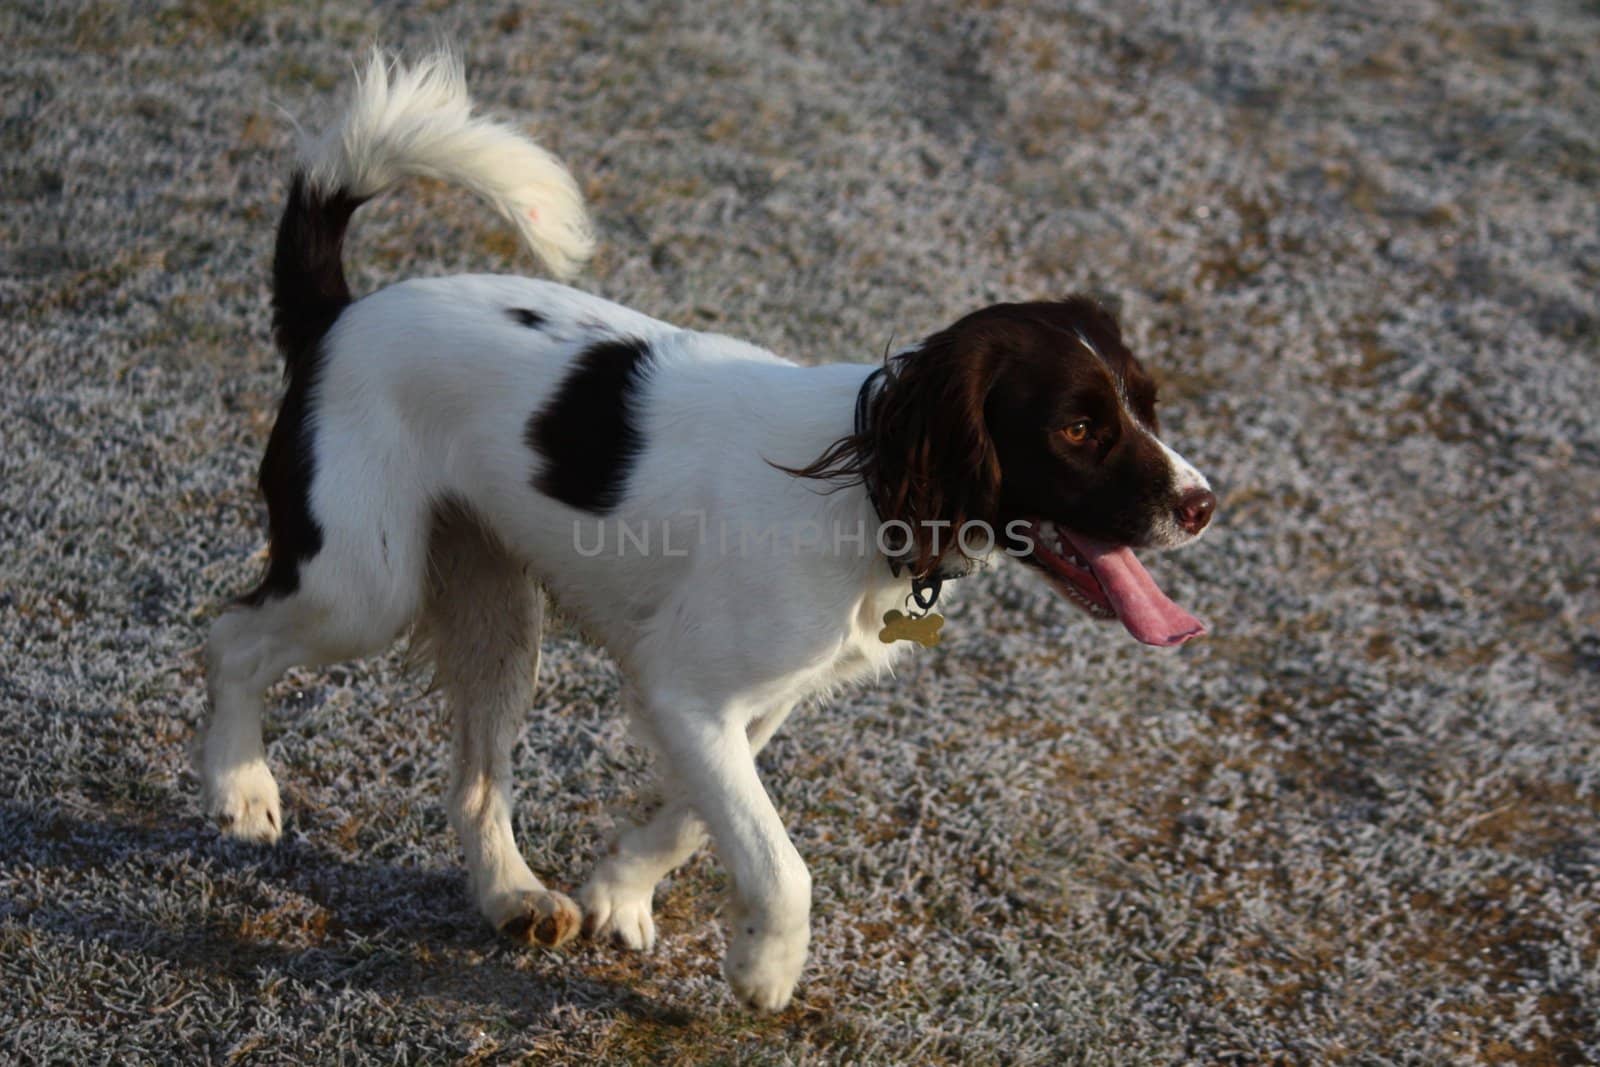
column 926, row 448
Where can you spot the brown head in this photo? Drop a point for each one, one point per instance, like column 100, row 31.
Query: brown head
column 1037, row 422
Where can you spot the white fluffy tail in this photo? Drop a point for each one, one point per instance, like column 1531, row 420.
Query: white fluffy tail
column 417, row 122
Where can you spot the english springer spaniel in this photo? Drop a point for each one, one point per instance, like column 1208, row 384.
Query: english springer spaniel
column 735, row 529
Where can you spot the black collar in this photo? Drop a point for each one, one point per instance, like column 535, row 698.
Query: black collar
column 925, row 589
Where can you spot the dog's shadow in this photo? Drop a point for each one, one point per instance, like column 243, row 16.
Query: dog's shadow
column 395, row 931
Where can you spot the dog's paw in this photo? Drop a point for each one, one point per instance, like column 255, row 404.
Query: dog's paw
column 540, row 917
column 620, row 911
column 763, row 967
column 244, row 804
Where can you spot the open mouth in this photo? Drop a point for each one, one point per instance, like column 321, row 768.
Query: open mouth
column 1108, row 582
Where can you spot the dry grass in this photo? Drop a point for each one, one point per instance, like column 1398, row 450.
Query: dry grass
column 1357, row 825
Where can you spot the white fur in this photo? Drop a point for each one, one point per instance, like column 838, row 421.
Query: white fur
column 1166, row 533
column 1185, row 478
column 417, row 122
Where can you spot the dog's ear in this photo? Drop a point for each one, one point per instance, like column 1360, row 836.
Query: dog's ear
column 931, row 457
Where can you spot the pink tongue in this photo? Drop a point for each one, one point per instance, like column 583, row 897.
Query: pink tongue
column 1144, row 609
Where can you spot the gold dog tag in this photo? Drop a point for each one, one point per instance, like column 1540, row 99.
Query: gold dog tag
column 898, row 626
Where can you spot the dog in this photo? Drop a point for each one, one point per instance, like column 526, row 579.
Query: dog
column 730, row 526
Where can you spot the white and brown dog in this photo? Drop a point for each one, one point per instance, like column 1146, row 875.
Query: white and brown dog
column 732, row 527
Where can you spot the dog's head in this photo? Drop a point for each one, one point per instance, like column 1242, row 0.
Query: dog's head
column 1085, row 478
column 1036, row 422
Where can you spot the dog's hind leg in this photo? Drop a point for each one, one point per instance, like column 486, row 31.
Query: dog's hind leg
column 480, row 624
column 350, row 600
column 249, row 647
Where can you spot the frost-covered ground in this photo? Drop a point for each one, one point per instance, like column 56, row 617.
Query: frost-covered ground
column 1360, row 243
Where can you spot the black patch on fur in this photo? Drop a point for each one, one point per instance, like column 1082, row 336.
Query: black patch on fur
column 527, row 317
column 587, row 433
column 286, row 471
column 309, row 293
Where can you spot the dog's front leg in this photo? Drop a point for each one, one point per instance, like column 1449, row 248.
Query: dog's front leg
column 617, row 899
column 708, row 751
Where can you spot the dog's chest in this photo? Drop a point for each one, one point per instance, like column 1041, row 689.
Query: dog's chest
column 864, row 653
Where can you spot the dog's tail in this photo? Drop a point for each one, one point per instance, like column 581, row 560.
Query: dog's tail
column 409, row 122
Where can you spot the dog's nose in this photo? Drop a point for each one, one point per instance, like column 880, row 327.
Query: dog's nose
column 1195, row 509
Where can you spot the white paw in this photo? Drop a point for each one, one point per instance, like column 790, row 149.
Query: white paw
column 536, row 917
column 619, row 910
column 243, row 802
column 762, row 966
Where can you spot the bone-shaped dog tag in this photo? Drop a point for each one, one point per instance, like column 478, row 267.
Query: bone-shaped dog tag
column 898, row 626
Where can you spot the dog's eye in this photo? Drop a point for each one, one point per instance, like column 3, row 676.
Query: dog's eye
column 1077, row 433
